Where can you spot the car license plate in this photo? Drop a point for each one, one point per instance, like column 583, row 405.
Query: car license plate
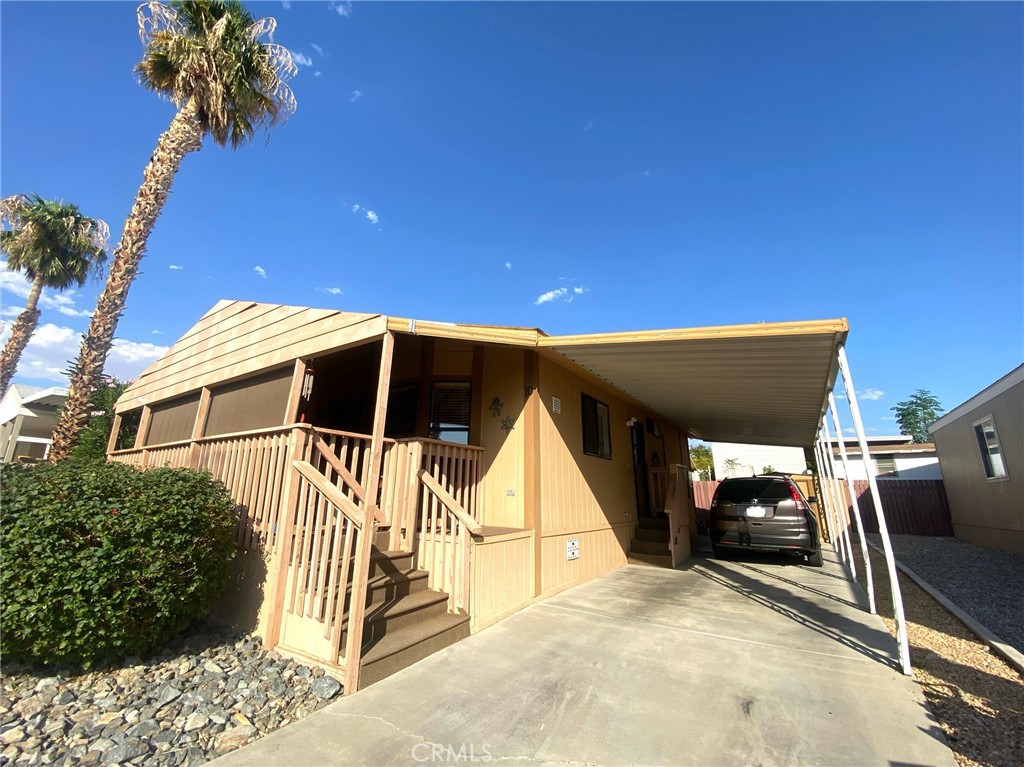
column 755, row 511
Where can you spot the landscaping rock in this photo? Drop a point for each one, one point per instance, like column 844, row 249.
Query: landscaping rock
column 197, row 697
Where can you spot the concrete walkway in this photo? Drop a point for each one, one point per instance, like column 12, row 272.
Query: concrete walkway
column 759, row 661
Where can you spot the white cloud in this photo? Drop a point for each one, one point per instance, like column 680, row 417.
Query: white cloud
column 286, row 5
column 567, row 295
column 871, row 394
column 647, row 173
column 356, row 95
column 551, row 295
column 11, row 311
column 260, row 271
column 175, row 267
column 63, row 302
column 334, row 291
column 343, row 8
column 317, row 48
column 850, row 430
column 888, row 418
column 372, row 217
column 301, row 59
column 317, row 73
column 54, row 348
column 588, row 125
column 508, row 264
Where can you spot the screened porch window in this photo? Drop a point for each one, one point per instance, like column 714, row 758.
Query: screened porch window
column 450, row 405
column 597, row 429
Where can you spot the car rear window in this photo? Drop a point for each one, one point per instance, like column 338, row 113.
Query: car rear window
column 744, row 490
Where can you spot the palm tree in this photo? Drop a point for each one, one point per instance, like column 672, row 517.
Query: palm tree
column 56, row 247
column 208, row 58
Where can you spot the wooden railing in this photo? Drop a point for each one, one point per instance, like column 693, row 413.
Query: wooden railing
column 251, row 464
column 443, row 541
column 669, row 489
column 329, row 558
column 456, row 468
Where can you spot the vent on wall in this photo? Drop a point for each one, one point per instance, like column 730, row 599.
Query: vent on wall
column 556, row 405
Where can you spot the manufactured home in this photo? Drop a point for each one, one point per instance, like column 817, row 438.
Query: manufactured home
column 403, row 483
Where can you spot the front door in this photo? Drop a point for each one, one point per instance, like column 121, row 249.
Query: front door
column 643, row 494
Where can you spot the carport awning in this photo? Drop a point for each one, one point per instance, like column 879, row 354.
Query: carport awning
column 764, row 383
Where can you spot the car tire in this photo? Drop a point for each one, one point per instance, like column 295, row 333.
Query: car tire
column 719, row 552
column 814, row 559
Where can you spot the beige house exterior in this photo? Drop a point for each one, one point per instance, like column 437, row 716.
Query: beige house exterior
column 28, row 416
column 403, row 483
column 981, row 450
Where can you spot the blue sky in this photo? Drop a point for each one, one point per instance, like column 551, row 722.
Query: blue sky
column 642, row 165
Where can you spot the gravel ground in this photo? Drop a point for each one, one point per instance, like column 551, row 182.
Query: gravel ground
column 977, row 698
column 202, row 695
column 986, row 584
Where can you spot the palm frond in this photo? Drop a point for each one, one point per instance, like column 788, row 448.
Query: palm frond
column 211, row 53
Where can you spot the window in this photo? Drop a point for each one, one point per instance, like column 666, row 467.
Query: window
column 401, row 419
column 988, row 444
column 597, row 431
column 450, row 405
column 886, row 466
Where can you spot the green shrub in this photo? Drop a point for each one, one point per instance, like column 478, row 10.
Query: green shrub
column 102, row 560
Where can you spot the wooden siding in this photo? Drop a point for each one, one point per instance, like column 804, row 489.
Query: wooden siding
column 502, row 577
column 172, row 421
column 502, row 485
column 581, row 496
column 252, row 403
column 986, row 512
column 236, row 339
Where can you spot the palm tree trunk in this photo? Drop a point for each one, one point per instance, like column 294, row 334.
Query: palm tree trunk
column 21, row 332
column 183, row 136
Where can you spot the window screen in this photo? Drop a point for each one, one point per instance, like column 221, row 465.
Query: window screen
column 172, row 421
column 597, row 432
column 450, row 405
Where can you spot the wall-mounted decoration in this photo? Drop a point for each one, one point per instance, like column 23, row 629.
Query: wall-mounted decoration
column 507, row 424
column 496, row 406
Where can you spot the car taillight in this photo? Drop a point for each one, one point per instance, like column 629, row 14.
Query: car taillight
column 795, row 494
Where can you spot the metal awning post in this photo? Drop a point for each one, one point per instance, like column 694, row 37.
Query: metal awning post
column 825, row 499
column 853, row 502
column 883, row 529
column 841, row 507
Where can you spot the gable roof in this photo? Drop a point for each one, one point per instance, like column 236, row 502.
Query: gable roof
column 733, row 383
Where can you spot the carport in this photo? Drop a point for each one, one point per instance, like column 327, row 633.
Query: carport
column 765, row 383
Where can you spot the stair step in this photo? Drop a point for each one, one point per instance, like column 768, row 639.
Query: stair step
column 392, row 616
column 653, row 523
column 389, row 562
column 651, row 560
column 656, row 536
column 400, row 649
column 649, row 547
column 386, row 588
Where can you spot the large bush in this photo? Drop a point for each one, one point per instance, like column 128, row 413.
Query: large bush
column 102, row 560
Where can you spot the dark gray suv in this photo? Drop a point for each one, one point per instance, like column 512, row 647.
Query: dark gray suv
column 765, row 513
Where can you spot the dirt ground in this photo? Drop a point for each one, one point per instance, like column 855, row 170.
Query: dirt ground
column 977, row 697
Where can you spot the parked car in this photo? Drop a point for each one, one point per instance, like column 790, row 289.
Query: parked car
column 763, row 513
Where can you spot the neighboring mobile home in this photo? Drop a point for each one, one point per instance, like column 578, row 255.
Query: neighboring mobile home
column 981, row 450
column 28, row 416
column 402, row 483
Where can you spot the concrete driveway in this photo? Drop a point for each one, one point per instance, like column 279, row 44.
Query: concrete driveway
column 758, row 661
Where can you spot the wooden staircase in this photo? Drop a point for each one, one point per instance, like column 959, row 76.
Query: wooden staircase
column 405, row 621
column 650, row 544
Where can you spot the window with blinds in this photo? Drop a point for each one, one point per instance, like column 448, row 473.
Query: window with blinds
column 450, row 405
column 172, row 421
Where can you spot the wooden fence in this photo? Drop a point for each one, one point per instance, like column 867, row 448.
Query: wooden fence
column 912, row 506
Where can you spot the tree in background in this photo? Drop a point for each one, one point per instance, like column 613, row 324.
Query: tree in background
column 702, row 461
column 916, row 414
column 731, row 465
column 205, row 56
column 56, row 247
column 92, row 442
